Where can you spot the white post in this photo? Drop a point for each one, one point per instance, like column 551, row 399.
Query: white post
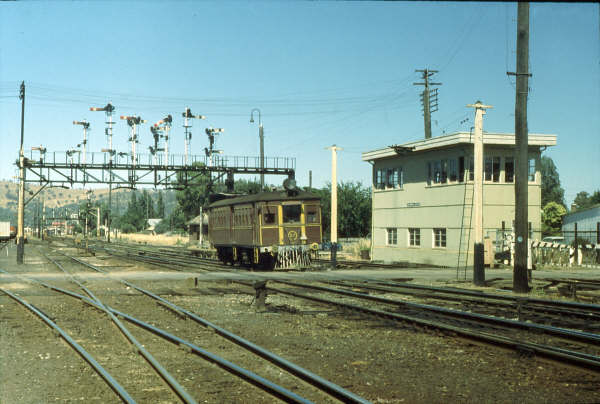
column 334, row 150
column 478, row 260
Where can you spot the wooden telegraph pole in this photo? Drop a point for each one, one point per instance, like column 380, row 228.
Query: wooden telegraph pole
column 520, row 281
column 428, row 106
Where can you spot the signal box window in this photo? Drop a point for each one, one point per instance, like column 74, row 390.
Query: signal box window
column 392, row 236
column 389, row 178
column 291, row 213
column 492, row 169
column 439, row 237
column 531, row 170
column 414, row 237
column 509, row 169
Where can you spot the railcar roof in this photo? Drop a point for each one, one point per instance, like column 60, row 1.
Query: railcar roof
column 265, row 197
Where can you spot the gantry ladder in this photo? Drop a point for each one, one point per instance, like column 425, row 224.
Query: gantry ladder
column 464, row 241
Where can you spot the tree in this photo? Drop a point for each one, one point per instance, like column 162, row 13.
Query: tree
column 134, row 219
column 147, row 205
column 354, row 209
column 552, row 219
column 160, row 205
column 551, row 189
column 583, row 200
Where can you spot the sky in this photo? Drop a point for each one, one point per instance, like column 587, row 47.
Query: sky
column 321, row 73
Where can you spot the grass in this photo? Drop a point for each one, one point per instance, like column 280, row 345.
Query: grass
column 159, row 239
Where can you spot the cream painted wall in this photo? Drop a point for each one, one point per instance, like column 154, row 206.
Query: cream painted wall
column 441, row 206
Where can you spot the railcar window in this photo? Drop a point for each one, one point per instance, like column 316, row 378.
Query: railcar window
column 269, row 218
column 312, row 215
column 291, row 213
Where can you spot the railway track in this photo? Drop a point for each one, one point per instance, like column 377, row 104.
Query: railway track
column 488, row 329
column 566, row 314
column 105, row 375
column 317, row 383
column 496, row 330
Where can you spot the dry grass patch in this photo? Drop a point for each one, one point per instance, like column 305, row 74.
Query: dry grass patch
column 159, row 239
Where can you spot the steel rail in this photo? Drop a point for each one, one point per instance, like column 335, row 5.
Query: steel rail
column 561, row 332
column 251, row 377
column 487, row 299
column 153, row 258
column 572, row 305
column 579, row 359
column 112, row 383
column 177, row 388
column 306, row 375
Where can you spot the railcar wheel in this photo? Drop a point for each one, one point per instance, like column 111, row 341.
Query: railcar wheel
column 266, row 262
column 225, row 255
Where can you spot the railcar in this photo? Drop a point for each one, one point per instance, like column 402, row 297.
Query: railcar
column 266, row 230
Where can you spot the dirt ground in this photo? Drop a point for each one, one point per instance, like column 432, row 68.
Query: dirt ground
column 381, row 361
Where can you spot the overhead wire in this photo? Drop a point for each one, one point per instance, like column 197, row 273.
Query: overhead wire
column 468, row 28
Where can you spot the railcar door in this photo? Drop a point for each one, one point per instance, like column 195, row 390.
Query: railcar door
column 291, row 223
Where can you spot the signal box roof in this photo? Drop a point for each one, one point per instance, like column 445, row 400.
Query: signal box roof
column 489, row 138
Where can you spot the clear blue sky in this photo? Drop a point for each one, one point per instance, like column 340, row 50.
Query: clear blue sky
column 322, row 73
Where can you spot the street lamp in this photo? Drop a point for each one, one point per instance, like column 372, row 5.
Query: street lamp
column 262, row 147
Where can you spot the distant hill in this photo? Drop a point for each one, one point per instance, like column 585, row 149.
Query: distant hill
column 69, row 198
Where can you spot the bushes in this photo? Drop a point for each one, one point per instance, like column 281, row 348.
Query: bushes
column 128, row 228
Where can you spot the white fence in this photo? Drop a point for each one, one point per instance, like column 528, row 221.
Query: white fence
column 547, row 253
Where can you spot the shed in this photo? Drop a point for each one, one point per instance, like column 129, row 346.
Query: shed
column 586, row 222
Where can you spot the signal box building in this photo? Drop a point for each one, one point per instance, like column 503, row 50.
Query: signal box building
column 422, row 196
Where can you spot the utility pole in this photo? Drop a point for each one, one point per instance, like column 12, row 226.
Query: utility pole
column 478, row 260
column 428, row 99
column 333, row 228
column 21, row 209
column 520, row 281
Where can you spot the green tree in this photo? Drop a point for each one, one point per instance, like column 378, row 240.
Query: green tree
column 246, row 187
column 354, row 209
column 160, row 206
column 147, row 205
column 134, row 218
column 582, row 200
column 87, row 213
column 552, row 219
column 551, row 189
